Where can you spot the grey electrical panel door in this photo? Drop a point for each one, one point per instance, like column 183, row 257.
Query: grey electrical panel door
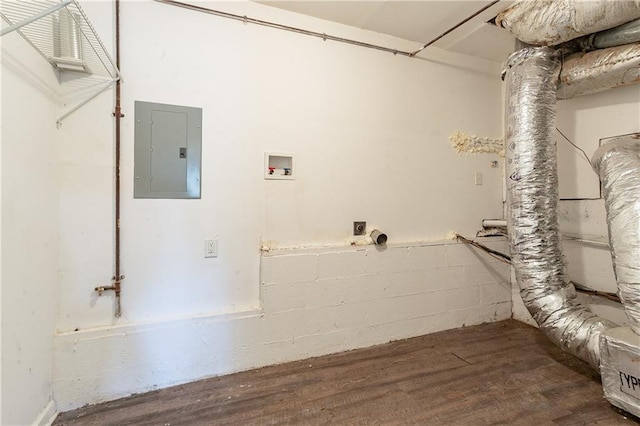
column 168, row 144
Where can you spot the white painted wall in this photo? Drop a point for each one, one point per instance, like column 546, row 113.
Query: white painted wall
column 369, row 133
column 585, row 120
column 29, row 233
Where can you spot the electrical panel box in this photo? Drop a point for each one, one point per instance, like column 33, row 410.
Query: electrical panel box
column 168, row 146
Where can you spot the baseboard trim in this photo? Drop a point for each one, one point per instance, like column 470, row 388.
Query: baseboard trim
column 47, row 415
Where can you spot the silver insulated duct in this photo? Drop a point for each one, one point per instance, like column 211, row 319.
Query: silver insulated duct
column 592, row 72
column 551, row 22
column 618, row 165
column 532, row 194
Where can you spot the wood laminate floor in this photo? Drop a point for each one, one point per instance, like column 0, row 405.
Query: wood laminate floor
column 502, row 373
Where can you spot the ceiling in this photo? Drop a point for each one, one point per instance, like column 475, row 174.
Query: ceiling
column 419, row 21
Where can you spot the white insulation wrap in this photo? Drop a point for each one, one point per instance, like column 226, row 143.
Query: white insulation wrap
column 618, row 164
column 532, row 198
column 585, row 73
column 550, row 22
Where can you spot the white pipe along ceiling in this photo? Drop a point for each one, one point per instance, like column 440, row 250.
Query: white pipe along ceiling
column 536, row 77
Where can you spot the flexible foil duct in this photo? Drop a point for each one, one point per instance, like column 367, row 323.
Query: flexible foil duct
column 585, row 73
column 532, row 194
column 550, row 22
column 618, row 164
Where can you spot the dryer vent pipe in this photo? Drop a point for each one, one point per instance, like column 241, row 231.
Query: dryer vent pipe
column 378, row 237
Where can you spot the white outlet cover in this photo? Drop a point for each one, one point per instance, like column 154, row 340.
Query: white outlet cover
column 211, row 248
column 478, row 178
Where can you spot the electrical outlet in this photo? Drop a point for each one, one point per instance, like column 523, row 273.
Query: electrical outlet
column 211, row 248
column 359, row 228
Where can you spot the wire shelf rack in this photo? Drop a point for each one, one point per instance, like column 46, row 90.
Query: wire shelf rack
column 61, row 33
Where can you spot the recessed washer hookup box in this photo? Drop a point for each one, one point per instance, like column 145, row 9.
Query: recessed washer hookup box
column 620, row 368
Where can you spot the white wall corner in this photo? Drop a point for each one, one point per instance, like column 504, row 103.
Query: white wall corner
column 30, row 227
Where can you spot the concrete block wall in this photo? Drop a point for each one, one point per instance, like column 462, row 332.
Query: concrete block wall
column 313, row 302
column 407, row 289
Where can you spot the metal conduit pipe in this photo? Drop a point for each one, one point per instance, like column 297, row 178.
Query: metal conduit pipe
column 324, row 36
column 532, row 198
column 618, row 165
column 248, row 20
column 592, row 72
column 117, row 278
